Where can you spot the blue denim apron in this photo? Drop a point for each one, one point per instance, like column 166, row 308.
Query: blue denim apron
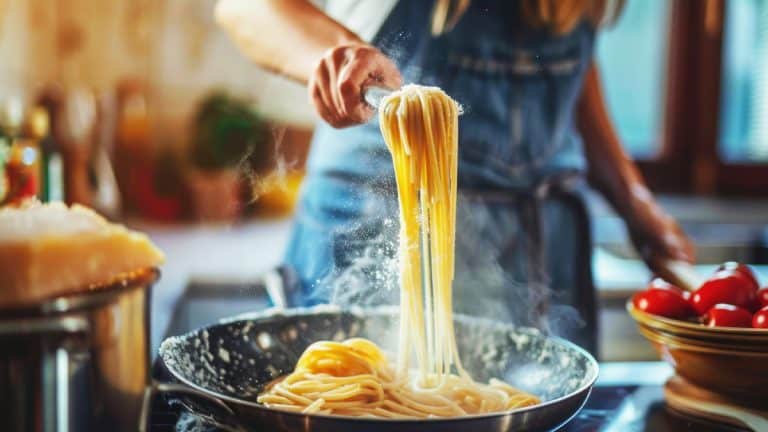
column 518, row 88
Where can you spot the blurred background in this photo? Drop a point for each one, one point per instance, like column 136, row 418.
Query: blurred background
column 146, row 111
column 152, row 95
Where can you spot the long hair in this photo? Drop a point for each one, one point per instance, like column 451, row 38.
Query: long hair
column 557, row 16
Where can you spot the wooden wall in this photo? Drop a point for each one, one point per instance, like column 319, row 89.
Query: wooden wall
column 174, row 45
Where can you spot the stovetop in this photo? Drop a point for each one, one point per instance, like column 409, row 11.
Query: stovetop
column 627, row 398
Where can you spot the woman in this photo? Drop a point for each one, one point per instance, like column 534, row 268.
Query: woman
column 524, row 72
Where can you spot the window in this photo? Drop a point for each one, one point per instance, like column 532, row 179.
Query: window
column 687, row 84
column 744, row 91
column 632, row 57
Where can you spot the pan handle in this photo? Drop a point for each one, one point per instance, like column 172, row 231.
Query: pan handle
column 274, row 284
column 173, row 388
column 283, row 287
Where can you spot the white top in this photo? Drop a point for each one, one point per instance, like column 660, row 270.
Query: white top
column 363, row 17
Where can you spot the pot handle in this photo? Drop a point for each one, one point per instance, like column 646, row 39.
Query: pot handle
column 45, row 325
column 173, row 388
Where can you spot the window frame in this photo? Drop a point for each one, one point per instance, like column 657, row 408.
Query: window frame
column 689, row 161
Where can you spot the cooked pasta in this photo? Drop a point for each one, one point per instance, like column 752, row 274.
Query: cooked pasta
column 354, row 378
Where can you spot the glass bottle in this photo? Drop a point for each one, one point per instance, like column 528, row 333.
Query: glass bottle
column 38, row 128
column 22, row 168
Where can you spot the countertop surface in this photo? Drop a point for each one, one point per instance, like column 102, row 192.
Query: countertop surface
column 210, row 253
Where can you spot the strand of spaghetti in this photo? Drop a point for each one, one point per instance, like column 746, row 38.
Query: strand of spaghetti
column 314, row 406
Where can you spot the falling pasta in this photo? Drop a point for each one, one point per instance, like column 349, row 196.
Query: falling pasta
column 354, row 378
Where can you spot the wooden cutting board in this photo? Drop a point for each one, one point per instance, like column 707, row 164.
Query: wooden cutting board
column 692, row 400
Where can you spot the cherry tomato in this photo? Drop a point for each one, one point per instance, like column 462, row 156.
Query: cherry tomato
column 665, row 302
column 725, row 315
column 760, row 320
column 725, row 286
column 743, row 269
column 662, row 284
column 762, row 297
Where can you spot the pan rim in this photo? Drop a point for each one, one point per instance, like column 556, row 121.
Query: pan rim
column 586, row 387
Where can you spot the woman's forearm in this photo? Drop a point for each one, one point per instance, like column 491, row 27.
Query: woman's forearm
column 285, row 36
column 611, row 171
column 294, row 38
column 656, row 236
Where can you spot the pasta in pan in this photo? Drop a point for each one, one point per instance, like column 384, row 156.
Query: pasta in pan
column 354, row 377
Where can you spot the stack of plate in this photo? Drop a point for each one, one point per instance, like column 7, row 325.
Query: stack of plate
column 729, row 361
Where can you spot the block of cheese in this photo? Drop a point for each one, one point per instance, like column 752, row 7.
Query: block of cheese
column 48, row 250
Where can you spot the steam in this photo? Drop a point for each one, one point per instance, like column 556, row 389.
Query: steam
column 368, row 275
column 491, row 271
column 275, row 174
column 371, row 280
column 189, row 422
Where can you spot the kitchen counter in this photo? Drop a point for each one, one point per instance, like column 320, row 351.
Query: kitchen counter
column 222, row 254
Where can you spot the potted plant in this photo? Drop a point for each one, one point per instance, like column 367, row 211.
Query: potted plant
column 229, row 140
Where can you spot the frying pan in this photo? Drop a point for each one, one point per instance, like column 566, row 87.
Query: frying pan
column 226, row 365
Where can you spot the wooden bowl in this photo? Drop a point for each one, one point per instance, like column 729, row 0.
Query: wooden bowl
column 741, row 336
column 731, row 362
column 720, row 344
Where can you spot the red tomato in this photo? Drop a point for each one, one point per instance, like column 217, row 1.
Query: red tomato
column 725, row 315
column 760, row 320
column 762, row 297
column 725, row 286
column 664, row 302
column 743, row 269
column 662, row 284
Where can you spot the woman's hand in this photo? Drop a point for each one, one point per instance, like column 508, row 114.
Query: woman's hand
column 336, row 86
column 289, row 36
column 657, row 237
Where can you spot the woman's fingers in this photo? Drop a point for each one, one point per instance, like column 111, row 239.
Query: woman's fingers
column 681, row 245
column 320, row 94
column 342, row 74
column 388, row 74
column 663, row 240
column 336, row 61
column 350, row 89
column 367, row 67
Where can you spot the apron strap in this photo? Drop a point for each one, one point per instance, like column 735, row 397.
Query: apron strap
column 529, row 204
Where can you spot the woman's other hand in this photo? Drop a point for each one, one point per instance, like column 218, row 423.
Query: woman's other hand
column 657, row 236
column 337, row 83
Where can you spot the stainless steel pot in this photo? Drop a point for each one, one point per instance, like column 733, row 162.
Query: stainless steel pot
column 77, row 363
